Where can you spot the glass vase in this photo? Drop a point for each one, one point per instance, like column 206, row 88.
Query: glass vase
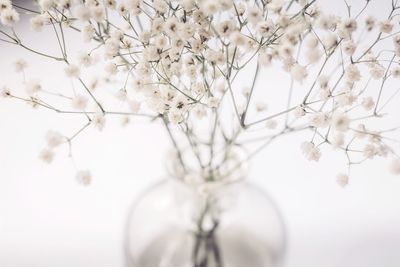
column 178, row 224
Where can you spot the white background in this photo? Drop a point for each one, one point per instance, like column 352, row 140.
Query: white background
column 47, row 219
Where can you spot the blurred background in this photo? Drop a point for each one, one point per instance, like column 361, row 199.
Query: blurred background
column 48, row 219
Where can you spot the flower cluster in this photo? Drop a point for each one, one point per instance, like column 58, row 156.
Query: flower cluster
column 178, row 62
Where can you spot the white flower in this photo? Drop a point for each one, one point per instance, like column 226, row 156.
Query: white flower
column 313, row 55
column 377, row 72
column 261, row 106
column 84, row 177
column 9, row 17
column 121, row 95
column 298, row 72
column 5, row 4
column 99, row 121
column 47, row 155
column 87, row 33
column 370, row 23
column 54, row 138
column 337, row 140
column 318, row 119
column 199, row 111
column 254, row 15
column 82, row 13
column 175, row 116
column 134, row 106
column 386, row 26
column 212, row 102
column 20, row 65
column 45, row 5
column 112, row 4
column 5, row 92
column 330, row 40
column 349, row 47
column 265, row 59
column 352, row 74
column 84, row 59
column 111, row 47
column 198, row 88
column 368, row 103
column 347, row 27
column 396, row 72
column 311, row 41
column 360, row 131
column 187, row 4
column 342, row 179
column 209, row 7
column 111, row 68
column 370, row 151
column 32, row 87
column 340, row 122
column 310, row 151
column 395, row 166
column 37, row 22
column 79, row 102
column 265, row 28
column 299, row 112
column 271, row 124
column 98, row 13
column 72, row 71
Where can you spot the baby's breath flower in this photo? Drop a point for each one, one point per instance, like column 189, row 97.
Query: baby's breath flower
column 99, row 121
column 337, row 140
column 310, row 151
column 395, row 166
column 45, row 5
column 79, row 102
column 46, row 155
column 396, row 72
column 298, row 72
column 265, row 28
column 84, row 177
column 5, row 92
column 199, row 111
column 111, row 68
column 368, row 103
column 33, row 87
column 212, row 102
column 271, row 124
column 20, row 65
column 134, row 106
column 87, row 32
column 5, row 4
column 8, row 17
column 72, row 71
column 352, row 74
column 54, row 139
column 349, row 47
column 299, row 112
column 386, row 26
column 84, row 59
column 342, row 179
column 37, row 22
column 340, row 122
column 370, row 151
column 175, row 116
column 377, row 72
column 370, row 23
column 98, row 13
column 318, row 119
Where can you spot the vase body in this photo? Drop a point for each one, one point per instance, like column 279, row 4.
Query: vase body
column 174, row 224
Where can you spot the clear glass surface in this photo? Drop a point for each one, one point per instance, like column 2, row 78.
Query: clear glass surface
column 174, row 224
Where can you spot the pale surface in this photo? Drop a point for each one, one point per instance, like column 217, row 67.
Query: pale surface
column 47, row 219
